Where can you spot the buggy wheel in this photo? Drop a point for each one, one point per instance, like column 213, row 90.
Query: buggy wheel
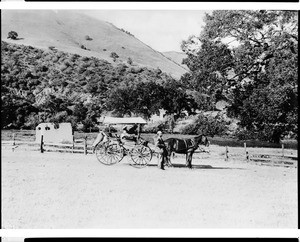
column 109, row 155
column 141, row 155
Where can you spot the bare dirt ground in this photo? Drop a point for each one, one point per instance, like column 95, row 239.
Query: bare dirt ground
column 61, row 190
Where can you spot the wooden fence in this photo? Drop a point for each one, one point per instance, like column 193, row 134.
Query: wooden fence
column 81, row 146
column 265, row 158
column 78, row 146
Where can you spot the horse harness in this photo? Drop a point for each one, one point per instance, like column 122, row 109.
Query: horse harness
column 193, row 144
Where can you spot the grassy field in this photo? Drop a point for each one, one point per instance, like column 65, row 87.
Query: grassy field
column 29, row 135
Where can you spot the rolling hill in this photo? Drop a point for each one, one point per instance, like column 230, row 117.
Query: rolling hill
column 176, row 57
column 67, row 30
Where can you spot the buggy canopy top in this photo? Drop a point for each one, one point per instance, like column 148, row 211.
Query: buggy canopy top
column 133, row 120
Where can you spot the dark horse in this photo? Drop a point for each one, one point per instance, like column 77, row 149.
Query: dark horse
column 185, row 146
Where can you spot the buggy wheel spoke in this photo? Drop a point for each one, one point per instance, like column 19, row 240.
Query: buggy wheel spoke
column 110, row 155
column 141, row 155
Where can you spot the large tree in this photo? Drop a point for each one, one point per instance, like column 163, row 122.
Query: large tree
column 249, row 58
column 147, row 97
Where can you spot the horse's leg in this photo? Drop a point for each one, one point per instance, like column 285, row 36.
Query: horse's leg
column 189, row 159
column 170, row 149
column 167, row 159
column 170, row 154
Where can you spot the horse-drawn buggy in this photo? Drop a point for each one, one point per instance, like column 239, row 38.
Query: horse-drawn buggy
column 116, row 147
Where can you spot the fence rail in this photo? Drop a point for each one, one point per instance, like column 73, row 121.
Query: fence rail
column 265, row 158
column 80, row 146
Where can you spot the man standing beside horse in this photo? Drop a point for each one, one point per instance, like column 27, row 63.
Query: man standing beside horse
column 161, row 149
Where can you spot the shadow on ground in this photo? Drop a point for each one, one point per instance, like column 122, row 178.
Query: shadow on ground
column 201, row 167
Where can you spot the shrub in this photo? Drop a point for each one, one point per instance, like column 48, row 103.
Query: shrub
column 129, row 61
column 83, row 47
column 170, row 123
column 257, row 134
column 189, row 129
column 207, row 125
column 12, row 35
column 85, row 58
column 244, row 134
column 158, row 71
column 63, row 67
column 69, row 70
column 74, row 57
column 55, row 59
column 114, row 55
column 136, row 70
column 156, row 126
column 31, row 121
column 88, row 37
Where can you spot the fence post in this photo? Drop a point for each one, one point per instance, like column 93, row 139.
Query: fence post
column 246, row 152
column 14, row 139
column 42, row 143
column 226, row 154
column 282, row 149
column 73, row 144
column 13, row 144
column 85, row 146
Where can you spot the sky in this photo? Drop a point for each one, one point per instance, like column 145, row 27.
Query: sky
column 163, row 30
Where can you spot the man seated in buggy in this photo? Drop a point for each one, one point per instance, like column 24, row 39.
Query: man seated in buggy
column 129, row 134
column 104, row 136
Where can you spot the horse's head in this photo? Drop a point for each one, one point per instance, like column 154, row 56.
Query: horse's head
column 201, row 140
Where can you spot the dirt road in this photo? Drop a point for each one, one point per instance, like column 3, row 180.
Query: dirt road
column 60, row 190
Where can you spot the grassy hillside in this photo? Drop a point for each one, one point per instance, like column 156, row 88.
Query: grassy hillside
column 43, row 85
column 176, row 57
column 67, row 30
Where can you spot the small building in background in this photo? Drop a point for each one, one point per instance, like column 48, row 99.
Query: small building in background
column 160, row 117
column 54, row 133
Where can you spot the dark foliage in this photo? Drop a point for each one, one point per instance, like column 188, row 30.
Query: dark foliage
column 12, row 35
column 114, row 55
column 54, row 86
column 207, row 125
column 258, row 76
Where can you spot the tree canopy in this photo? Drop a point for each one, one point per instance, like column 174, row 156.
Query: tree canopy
column 54, row 86
column 250, row 59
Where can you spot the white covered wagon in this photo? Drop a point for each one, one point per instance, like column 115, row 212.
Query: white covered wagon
column 54, row 133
